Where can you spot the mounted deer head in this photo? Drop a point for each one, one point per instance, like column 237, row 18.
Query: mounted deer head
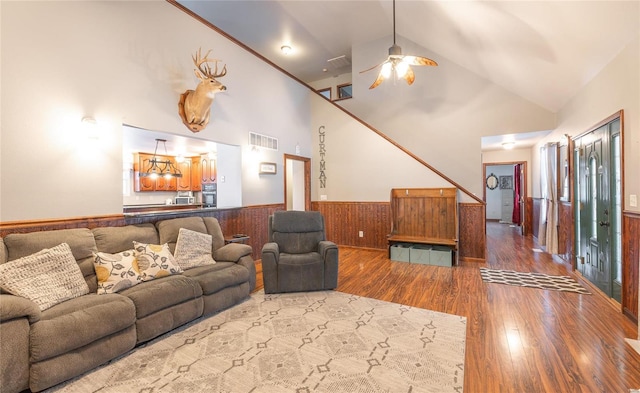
column 195, row 105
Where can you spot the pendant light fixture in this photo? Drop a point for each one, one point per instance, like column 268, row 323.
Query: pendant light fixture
column 397, row 64
column 165, row 168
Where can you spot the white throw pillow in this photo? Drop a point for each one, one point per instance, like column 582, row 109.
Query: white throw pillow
column 116, row 272
column 48, row 277
column 155, row 260
column 193, row 249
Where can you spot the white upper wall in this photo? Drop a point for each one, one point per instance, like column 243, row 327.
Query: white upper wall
column 123, row 62
column 616, row 87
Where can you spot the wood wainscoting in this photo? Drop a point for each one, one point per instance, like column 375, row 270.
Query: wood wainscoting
column 251, row 220
column 565, row 233
column 631, row 263
column 344, row 221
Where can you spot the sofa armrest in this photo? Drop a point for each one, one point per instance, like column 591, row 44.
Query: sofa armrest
column 232, row 252
column 12, row 307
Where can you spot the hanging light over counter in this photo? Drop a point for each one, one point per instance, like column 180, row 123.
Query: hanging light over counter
column 159, row 167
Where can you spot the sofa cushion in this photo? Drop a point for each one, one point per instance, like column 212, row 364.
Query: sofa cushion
column 213, row 278
column 47, row 277
column 80, row 240
column 193, row 249
column 153, row 296
column 117, row 239
column 155, row 261
column 168, row 230
column 79, row 322
column 116, row 272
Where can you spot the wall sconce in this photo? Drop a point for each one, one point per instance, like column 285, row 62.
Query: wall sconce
column 90, row 127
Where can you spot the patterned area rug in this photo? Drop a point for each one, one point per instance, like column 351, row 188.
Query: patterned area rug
column 305, row 342
column 532, row 280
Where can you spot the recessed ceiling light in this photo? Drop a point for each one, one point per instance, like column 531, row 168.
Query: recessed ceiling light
column 286, row 49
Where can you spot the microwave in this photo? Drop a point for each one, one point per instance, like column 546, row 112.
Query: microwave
column 184, row 200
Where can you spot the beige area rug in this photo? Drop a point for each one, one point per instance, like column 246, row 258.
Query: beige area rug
column 304, row 342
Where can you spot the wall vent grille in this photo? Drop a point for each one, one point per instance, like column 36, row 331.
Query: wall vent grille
column 263, row 141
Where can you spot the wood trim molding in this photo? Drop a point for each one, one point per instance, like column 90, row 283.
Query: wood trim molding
column 61, row 223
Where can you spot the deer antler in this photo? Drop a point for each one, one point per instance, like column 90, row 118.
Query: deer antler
column 204, row 70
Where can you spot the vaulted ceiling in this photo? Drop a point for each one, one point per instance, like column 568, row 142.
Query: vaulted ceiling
column 544, row 51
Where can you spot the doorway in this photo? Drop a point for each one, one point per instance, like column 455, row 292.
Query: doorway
column 297, row 182
column 508, row 194
column 598, row 206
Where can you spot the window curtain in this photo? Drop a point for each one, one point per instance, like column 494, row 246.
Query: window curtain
column 549, row 162
column 542, row 222
column 515, row 217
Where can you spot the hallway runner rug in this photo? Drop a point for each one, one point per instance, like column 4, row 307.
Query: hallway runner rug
column 324, row 341
column 532, row 280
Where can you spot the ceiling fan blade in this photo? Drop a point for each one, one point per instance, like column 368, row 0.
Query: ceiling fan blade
column 409, row 76
column 419, row 61
column 377, row 82
column 375, row 66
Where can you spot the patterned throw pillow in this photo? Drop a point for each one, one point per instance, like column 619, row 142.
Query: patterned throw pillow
column 193, row 249
column 155, row 261
column 116, row 272
column 48, row 277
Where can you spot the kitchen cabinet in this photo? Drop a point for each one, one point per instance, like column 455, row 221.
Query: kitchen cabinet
column 141, row 163
column 209, row 169
column 184, row 182
column 196, row 174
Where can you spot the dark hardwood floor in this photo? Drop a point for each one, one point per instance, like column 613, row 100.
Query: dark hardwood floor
column 518, row 339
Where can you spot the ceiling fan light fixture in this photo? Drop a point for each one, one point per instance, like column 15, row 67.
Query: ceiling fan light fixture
column 401, row 69
column 397, row 63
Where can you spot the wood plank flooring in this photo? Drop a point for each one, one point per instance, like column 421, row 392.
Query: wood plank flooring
column 518, row 339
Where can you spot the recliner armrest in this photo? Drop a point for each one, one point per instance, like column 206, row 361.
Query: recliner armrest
column 12, row 307
column 324, row 246
column 272, row 250
column 232, row 252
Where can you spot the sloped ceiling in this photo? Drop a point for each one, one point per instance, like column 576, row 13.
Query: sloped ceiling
column 543, row 51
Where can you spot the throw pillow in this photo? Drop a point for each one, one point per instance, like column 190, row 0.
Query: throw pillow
column 48, row 277
column 193, row 249
column 116, row 272
column 155, row 261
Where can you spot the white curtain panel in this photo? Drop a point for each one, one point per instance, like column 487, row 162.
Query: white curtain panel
column 552, row 198
column 542, row 222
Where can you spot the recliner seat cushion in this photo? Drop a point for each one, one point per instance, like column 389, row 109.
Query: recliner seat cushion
column 213, row 278
column 78, row 322
column 152, row 296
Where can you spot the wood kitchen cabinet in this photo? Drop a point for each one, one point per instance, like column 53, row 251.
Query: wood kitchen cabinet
column 196, row 174
column 141, row 163
column 209, row 169
column 184, row 182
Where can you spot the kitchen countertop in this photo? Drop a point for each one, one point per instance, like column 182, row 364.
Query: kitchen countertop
column 168, row 210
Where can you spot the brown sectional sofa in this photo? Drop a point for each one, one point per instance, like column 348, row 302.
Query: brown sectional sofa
column 39, row 349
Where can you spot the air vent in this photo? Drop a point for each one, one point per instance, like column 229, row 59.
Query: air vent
column 264, row 141
column 339, row 62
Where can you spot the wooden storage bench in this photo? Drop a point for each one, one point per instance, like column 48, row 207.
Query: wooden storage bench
column 427, row 216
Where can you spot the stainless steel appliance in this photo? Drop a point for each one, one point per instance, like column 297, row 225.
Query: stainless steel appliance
column 209, row 195
column 184, row 198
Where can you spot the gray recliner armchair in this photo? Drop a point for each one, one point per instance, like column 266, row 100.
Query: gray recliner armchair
column 298, row 257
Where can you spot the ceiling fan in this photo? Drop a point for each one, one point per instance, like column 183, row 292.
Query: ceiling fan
column 398, row 64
